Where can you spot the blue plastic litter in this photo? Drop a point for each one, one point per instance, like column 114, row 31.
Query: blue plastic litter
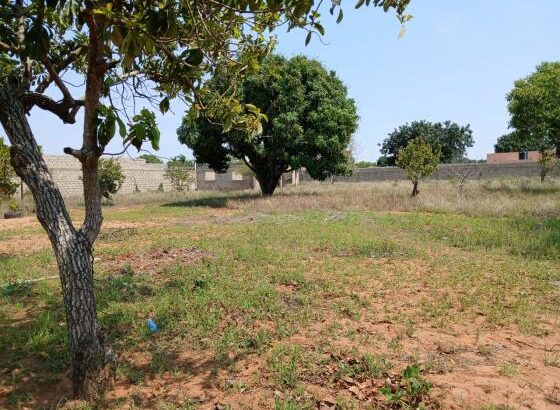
column 152, row 325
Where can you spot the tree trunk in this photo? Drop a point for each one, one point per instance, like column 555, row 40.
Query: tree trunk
column 268, row 184
column 92, row 361
column 415, row 190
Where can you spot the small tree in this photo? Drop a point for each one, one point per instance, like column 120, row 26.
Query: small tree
column 179, row 175
column 547, row 162
column 418, row 160
column 461, row 174
column 8, row 186
column 111, row 177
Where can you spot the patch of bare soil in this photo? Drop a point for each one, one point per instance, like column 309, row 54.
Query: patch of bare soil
column 18, row 223
column 24, row 245
column 468, row 367
column 154, row 261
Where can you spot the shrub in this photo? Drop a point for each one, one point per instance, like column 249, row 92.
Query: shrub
column 8, row 186
column 110, row 176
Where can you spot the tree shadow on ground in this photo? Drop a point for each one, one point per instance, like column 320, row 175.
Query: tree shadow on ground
column 221, row 199
column 195, row 378
column 218, row 201
column 34, row 360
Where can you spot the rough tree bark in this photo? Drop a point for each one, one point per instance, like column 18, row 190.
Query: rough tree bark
column 93, row 362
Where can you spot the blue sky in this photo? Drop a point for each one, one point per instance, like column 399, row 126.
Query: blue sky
column 457, row 62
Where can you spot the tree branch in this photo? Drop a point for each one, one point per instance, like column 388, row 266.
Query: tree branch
column 76, row 153
column 96, row 69
column 73, row 56
column 7, row 48
column 66, row 110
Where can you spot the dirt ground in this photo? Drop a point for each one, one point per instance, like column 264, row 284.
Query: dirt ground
column 470, row 364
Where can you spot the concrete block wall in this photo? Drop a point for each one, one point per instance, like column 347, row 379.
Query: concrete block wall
column 232, row 179
column 66, row 171
column 445, row 172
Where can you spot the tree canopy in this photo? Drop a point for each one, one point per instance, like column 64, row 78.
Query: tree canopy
column 419, row 160
column 309, row 123
column 180, row 160
column 365, row 164
column 151, row 159
column 451, row 140
column 534, row 105
column 515, row 141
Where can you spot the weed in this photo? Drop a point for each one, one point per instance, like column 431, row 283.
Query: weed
column 508, row 369
column 292, row 404
column 409, row 327
column 551, row 357
column 376, row 366
column 284, row 363
column 395, row 343
column 18, row 288
column 411, row 392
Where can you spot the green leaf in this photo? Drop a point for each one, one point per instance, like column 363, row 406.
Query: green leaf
column 154, row 137
column 164, row 105
column 360, row 3
column 340, row 16
column 252, row 108
column 194, row 57
column 308, row 38
column 228, row 124
column 36, row 42
column 122, row 127
column 136, row 143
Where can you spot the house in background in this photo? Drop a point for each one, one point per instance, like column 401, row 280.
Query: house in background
column 513, row 157
column 237, row 177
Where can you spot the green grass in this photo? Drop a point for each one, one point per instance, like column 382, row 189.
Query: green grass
column 268, row 278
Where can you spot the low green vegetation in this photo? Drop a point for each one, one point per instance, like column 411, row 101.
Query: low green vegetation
column 263, row 301
column 111, row 177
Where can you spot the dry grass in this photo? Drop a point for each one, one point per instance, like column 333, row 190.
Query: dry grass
column 498, row 197
column 489, row 198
